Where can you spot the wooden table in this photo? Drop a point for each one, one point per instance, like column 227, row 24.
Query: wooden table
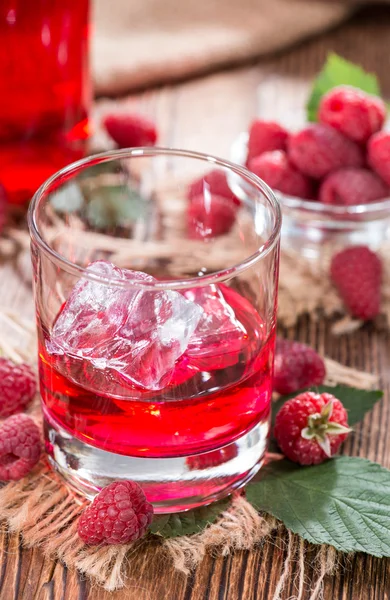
column 207, row 114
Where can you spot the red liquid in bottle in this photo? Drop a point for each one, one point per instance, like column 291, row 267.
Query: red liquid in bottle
column 44, row 91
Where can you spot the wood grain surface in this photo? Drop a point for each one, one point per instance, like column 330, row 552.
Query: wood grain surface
column 206, row 114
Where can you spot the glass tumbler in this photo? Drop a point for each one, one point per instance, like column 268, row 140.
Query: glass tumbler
column 156, row 306
column 44, row 90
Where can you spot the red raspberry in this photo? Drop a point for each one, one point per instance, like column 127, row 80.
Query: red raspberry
column 213, row 183
column 353, row 112
column 347, row 187
column 119, row 514
column 276, row 170
column 319, row 149
column 357, row 274
column 130, row 130
column 210, row 217
column 296, row 366
column 17, row 387
column 212, row 459
column 379, row 154
column 265, row 136
column 20, row 447
column 311, row 427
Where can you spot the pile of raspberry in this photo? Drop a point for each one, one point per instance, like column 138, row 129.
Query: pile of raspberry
column 20, row 439
column 343, row 159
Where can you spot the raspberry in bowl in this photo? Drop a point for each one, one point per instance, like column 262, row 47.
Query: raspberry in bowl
column 332, row 176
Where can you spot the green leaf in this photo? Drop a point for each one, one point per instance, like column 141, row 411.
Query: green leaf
column 339, row 71
column 344, row 502
column 187, row 523
column 68, row 198
column 356, row 402
column 114, row 206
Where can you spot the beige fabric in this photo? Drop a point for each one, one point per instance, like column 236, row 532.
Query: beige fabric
column 142, row 42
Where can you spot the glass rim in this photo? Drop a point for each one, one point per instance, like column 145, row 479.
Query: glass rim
column 150, row 151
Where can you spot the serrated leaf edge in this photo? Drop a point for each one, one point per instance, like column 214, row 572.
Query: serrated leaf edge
column 308, row 537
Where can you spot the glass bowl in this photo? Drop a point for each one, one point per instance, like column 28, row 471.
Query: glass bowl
column 309, row 226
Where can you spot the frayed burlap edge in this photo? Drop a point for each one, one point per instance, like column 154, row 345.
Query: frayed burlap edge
column 45, row 512
column 241, row 527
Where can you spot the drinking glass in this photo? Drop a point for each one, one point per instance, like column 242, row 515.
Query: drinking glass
column 44, row 89
column 156, row 335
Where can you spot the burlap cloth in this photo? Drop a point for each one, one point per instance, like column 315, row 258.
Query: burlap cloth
column 138, row 43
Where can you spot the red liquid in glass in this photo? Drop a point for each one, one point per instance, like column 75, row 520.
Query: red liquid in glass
column 200, row 410
column 44, row 90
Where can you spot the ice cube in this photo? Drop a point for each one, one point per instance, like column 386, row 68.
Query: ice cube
column 135, row 334
column 221, row 334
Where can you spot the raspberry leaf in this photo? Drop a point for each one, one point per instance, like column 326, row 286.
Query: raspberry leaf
column 114, row 206
column 67, row 199
column 188, row 523
column 357, row 402
column 339, row 71
column 344, row 502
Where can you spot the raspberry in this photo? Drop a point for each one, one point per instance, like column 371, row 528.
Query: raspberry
column 129, row 130
column 213, row 183
column 210, row 217
column 379, row 154
column 357, row 274
column 353, row 112
column 119, row 514
column 347, row 187
column 20, row 447
column 311, row 427
column 276, row 170
column 297, row 366
column 318, row 149
column 265, row 136
column 212, row 459
column 17, row 387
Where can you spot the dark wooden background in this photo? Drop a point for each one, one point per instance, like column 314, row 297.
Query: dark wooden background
column 206, row 114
